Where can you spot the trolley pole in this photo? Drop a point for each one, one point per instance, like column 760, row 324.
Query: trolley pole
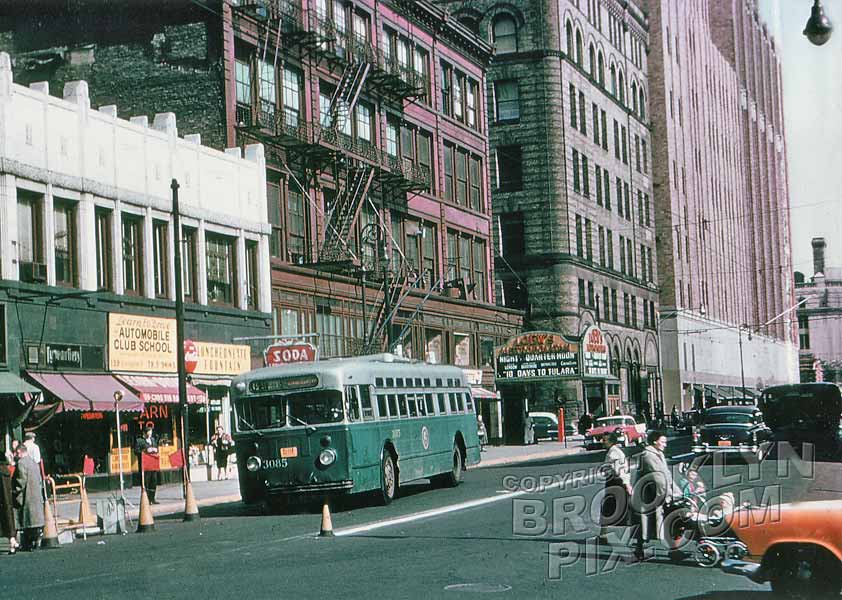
column 179, row 333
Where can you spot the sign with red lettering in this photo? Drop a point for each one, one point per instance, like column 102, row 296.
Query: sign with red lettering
column 191, row 356
column 285, row 354
column 596, row 359
column 537, row 355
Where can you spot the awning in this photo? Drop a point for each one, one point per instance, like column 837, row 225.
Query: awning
column 479, row 392
column 12, row 384
column 87, row 392
column 161, row 389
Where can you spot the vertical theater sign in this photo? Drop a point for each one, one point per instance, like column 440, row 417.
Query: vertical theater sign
column 595, row 355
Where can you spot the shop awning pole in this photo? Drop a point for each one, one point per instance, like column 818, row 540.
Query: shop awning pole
column 179, row 334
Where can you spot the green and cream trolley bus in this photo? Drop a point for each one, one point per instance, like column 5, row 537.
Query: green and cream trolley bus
column 351, row 425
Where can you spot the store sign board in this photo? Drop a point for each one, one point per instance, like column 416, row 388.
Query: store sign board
column 222, row 359
column 64, row 355
column 537, row 355
column 285, row 354
column 596, row 357
column 141, row 343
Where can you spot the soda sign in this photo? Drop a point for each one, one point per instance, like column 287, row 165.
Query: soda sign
column 284, row 354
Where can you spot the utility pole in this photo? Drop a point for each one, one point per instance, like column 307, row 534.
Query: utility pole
column 179, row 332
column 742, row 370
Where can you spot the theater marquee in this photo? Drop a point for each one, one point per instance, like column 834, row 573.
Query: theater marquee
column 537, row 355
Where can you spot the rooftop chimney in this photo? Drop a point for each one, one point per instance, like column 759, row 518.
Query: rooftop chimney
column 818, row 254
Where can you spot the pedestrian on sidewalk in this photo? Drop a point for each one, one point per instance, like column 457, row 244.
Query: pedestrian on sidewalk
column 28, row 499
column 618, row 489
column 7, row 515
column 222, row 444
column 147, row 448
column 482, row 434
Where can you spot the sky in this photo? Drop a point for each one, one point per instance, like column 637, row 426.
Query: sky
column 812, row 84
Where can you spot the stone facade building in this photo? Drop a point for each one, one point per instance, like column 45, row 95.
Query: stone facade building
column 571, row 169
column 820, row 319
column 721, row 201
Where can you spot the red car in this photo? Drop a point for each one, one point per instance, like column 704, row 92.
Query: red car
column 634, row 431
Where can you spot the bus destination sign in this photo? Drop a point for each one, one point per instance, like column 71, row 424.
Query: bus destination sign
column 537, row 355
column 263, row 386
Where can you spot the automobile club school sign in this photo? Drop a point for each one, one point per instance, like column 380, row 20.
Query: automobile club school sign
column 537, row 355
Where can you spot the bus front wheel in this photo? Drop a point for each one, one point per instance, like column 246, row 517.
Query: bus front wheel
column 388, row 478
column 453, row 477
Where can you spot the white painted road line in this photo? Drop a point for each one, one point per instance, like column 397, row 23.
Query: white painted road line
column 436, row 512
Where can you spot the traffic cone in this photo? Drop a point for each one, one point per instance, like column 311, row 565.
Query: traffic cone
column 327, row 524
column 191, row 509
column 145, row 521
column 50, row 538
column 86, row 519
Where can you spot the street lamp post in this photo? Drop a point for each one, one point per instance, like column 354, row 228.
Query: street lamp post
column 742, row 370
column 118, row 395
column 179, row 333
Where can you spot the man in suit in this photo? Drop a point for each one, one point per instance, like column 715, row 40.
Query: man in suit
column 652, row 490
column 148, row 445
column 28, row 499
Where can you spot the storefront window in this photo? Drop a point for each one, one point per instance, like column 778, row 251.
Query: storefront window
column 486, row 352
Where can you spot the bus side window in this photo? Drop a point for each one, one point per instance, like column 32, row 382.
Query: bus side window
column 352, row 404
column 412, row 405
column 440, row 399
column 418, row 382
column 393, row 407
column 381, row 406
column 452, row 397
column 460, row 402
column 365, row 400
column 402, row 404
column 428, row 401
column 422, row 409
column 379, row 382
column 470, row 402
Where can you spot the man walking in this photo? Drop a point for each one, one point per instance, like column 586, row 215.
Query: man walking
column 147, row 450
column 652, row 490
column 27, row 498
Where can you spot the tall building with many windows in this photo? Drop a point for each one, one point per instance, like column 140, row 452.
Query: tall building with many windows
column 570, row 174
column 721, row 201
column 376, row 147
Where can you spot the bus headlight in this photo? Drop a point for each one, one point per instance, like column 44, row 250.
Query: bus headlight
column 253, row 463
column 327, row 457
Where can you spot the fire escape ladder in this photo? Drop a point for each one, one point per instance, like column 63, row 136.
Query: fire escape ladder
column 341, row 219
column 397, row 291
column 347, row 92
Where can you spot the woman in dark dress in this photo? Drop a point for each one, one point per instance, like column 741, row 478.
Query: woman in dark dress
column 222, row 447
column 8, row 531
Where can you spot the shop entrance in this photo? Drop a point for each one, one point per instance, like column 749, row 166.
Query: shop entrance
column 595, row 398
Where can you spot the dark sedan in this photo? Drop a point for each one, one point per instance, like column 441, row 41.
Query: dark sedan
column 732, row 429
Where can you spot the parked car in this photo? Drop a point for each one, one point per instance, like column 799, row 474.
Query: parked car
column 634, row 432
column 545, row 425
column 805, row 413
column 800, row 553
column 734, row 430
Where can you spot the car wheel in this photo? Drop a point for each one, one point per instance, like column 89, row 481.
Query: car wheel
column 388, row 478
column 806, row 572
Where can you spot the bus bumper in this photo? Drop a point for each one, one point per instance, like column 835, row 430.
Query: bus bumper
column 311, row 488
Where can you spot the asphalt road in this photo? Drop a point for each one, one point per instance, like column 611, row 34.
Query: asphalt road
column 431, row 543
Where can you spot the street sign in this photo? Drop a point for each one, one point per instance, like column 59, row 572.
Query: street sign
column 191, row 356
column 285, row 354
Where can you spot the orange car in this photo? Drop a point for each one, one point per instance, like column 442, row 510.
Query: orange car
column 798, row 549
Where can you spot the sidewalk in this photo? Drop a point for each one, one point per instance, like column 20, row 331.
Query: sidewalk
column 209, row 493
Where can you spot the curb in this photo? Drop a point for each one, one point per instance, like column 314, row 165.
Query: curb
column 513, row 460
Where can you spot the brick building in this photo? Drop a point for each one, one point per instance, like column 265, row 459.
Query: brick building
column 721, row 201
column 376, row 148
column 571, row 183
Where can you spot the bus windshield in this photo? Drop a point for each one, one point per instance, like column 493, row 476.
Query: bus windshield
column 280, row 410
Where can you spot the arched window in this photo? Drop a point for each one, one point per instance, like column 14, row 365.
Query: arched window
column 634, row 96
column 568, row 32
column 641, row 102
column 621, row 83
column 578, row 47
column 592, row 60
column 613, row 72
column 615, row 362
column 505, row 34
column 601, row 70
column 471, row 23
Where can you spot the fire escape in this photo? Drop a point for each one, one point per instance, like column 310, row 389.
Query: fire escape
column 361, row 171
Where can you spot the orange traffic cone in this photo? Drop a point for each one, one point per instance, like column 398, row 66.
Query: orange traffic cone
column 327, row 524
column 50, row 539
column 86, row 519
column 191, row 509
column 145, row 521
